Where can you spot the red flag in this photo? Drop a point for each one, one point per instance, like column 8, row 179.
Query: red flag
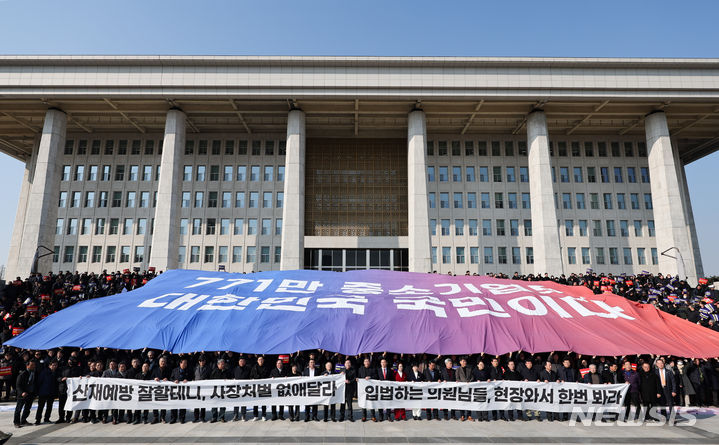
column 703, row 281
column 584, row 371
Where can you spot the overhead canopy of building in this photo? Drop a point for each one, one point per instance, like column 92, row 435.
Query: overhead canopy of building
column 359, row 96
column 367, row 311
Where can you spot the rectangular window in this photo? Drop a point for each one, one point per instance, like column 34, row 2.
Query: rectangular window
column 627, row 251
column 251, row 254
column 483, row 174
column 650, row 228
column 473, row 227
column 266, row 226
column 226, row 200
column 458, row 200
column 641, row 256
column 498, row 200
column 514, row 227
column 446, row 255
column 644, row 171
column 501, row 255
column 618, row 176
column 196, row 226
column 624, row 228
column 237, row 254
column 210, row 226
column 255, row 173
column 252, row 226
column 430, row 174
column 194, row 254
column 523, row 174
column 594, row 201
column 497, row 174
column 529, row 251
column 500, row 227
column 459, row 227
column 485, row 200
column 209, row 254
column 139, row 254
column 621, row 201
column 569, row 227
column 238, row 226
column 85, row 227
column 280, row 173
column 181, row 253
column 488, row 255
column 655, row 258
column 124, row 254
column 599, row 255
column 607, row 201
column 432, row 200
column 566, row 200
column 443, row 174
column 487, row 227
column 222, row 254
column 611, row 230
column 564, row 174
column 634, row 198
column 648, row 201
column 474, row 255
column 527, row 227
column 200, row 173
column 199, row 198
column 459, row 255
column 444, row 227
column 631, row 175
column 526, row 201
column 604, row 172
column 578, row 174
column 511, row 177
column 572, row 255
column 470, row 174
column 444, row 200
column 585, row 256
column 456, row 174
column 212, row 199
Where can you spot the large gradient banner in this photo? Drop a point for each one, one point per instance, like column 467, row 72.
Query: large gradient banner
column 367, row 311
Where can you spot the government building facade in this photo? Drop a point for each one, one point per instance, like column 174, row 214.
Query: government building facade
column 245, row 164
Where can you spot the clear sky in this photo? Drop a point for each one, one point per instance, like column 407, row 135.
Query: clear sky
column 375, row 28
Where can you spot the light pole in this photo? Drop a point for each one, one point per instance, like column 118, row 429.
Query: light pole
column 681, row 258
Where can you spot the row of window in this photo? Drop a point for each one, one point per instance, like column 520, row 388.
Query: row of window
column 514, row 254
column 139, row 226
column 514, row 226
column 145, row 173
column 122, row 147
column 208, row 256
column 84, row 226
column 233, row 199
column 232, row 173
column 230, row 226
column 563, row 149
column 217, row 147
column 458, row 200
column 607, row 201
column 69, row 254
column 510, row 174
column 138, row 254
column 89, row 201
column 147, row 147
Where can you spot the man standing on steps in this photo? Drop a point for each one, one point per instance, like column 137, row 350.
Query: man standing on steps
column 26, row 388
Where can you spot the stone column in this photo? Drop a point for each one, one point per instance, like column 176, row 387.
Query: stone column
column 18, row 227
column 41, row 202
column 293, row 212
column 167, row 225
column 420, row 259
column 672, row 211
column 545, row 234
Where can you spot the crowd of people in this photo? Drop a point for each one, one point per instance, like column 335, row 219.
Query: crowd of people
column 41, row 375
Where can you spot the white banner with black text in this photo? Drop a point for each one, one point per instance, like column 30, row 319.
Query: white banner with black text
column 486, row 396
column 109, row 393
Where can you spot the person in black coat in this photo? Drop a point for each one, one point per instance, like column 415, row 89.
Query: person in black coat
column 241, row 372
column 181, row 374
column 481, row 374
column 26, row 388
column 432, row 374
column 385, row 373
column 311, row 410
column 649, row 389
column 202, row 372
column 330, row 411
column 161, row 373
column 220, row 373
column 146, row 374
column 612, row 375
column 367, row 372
column 47, row 391
column 294, row 409
column 350, row 391
column 72, row 370
column 278, row 372
column 547, row 375
column 496, row 373
column 513, row 375
column 529, row 374
column 414, row 375
column 260, row 371
column 448, row 374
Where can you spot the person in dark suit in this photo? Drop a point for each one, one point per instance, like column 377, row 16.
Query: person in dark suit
column 513, row 375
column 547, row 375
column 668, row 387
column 330, row 411
column 414, row 375
column 432, row 374
column 593, row 377
column 529, row 374
column 367, row 372
column 448, row 374
column 26, row 388
column 202, row 372
column 496, row 373
column 241, row 372
column 311, row 410
column 70, row 371
column 47, row 390
column 259, row 371
column 567, row 373
column 384, row 372
column 220, row 373
column 612, row 375
column 278, row 372
column 181, row 374
column 294, row 409
column 650, row 389
column 632, row 398
column 480, row 374
column 161, row 373
column 350, row 391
